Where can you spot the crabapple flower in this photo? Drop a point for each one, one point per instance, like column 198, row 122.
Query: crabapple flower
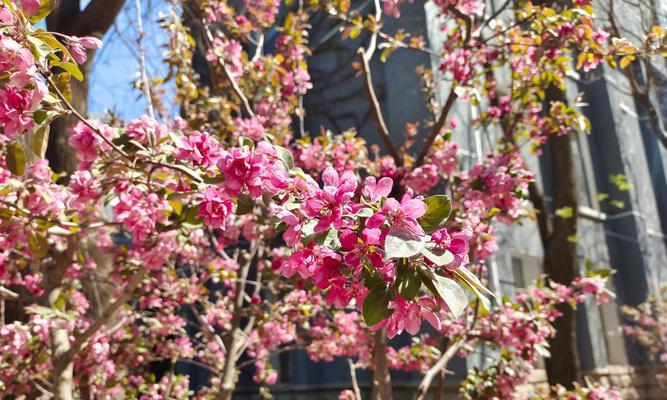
column 330, row 203
column 78, row 46
column 199, row 148
column 31, row 7
column 88, row 143
column 374, row 189
column 215, row 208
column 457, row 243
column 404, row 214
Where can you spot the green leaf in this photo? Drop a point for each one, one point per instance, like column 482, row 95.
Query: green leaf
column 408, row 281
column 385, row 53
column 365, row 212
column 401, row 243
column 190, row 216
column 452, row 293
column 39, row 116
column 286, row 157
column 214, row 180
column 40, row 141
column 38, row 244
column 329, row 239
column 376, row 304
column 565, row 212
column 245, row 204
column 438, row 208
column 438, row 257
column 428, row 277
column 470, row 281
column 176, row 206
column 15, row 158
column 70, row 67
column 371, row 278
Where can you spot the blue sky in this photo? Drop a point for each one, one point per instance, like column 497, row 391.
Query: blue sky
column 116, row 65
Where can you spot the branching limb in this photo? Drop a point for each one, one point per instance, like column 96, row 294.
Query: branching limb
column 109, row 312
column 233, row 343
column 426, row 381
column 230, row 77
column 106, row 140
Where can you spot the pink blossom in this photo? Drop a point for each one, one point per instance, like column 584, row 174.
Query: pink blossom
column 422, row 179
column 374, row 190
column 77, row 47
column 83, row 187
column 88, row 142
column 251, row 128
column 31, row 7
column 330, row 203
column 408, row 316
column 14, row 107
column 33, row 284
column 199, row 148
column 140, row 129
column 360, row 249
column 6, row 16
column 457, row 243
column 215, row 208
column 403, row 214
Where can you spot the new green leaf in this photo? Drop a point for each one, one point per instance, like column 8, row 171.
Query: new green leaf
column 401, row 243
column 376, row 304
column 438, row 208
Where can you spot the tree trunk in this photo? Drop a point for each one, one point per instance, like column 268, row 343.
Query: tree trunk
column 381, row 378
column 560, row 254
column 63, row 385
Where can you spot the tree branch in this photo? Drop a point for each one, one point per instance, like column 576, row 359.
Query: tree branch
column 377, row 111
column 437, row 128
column 142, row 67
column 353, row 375
column 426, row 381
column 229, row 368
column 382, row 389
column 97, row 17
column 124, row 297
column 230, row 78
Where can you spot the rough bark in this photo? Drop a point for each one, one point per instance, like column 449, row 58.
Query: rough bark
column 381, row 376
column 560, row 254
column 63, row 382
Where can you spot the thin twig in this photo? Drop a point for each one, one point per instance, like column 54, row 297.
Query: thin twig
column 142, row 66
column 7, row 294
column 230, row 77
column 123, row 298
column 353, row 375
column 366, row 56
column 377, row 111
column 106, row 140
column 83, row 119
column 437, row 128
column 424, row 385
